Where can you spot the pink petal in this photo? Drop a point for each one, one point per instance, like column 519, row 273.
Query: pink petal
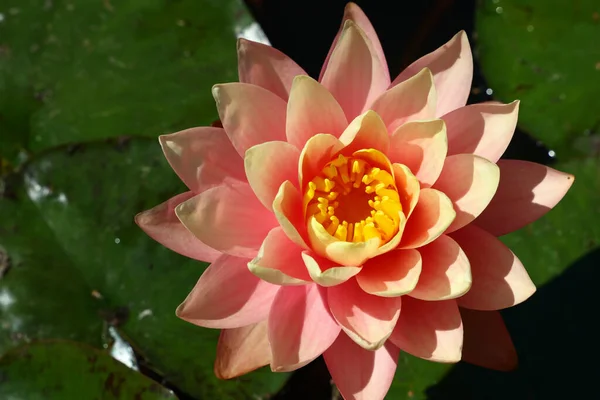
column 431, row 217
column 430, row 329
column 250, row 114
column 326, row 272
column 482, row 129
column 499, row 278
column 242, row 350
column 487, row 342
column 279, row 261
column 317, row 152
column 470, row 182
column 368, row 320
column 367, row 131
column 446, row 271
column 312, row 110
column 355, row 14
column 408, row 188
column 301, row 327
column 162, row 225
column 526, row 192
column 227, row 296
column 361, row 374
column 452, row 68
column 228, row 218
column 414, row 99
column 203, row 157
column 422, row 147
column 391, row 274
column 265, row 66
column 268, row 165
column 354, row 74
column 287, row 207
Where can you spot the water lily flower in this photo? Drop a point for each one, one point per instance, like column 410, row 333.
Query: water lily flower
column 353, row 216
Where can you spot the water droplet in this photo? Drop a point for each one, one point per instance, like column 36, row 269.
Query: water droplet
column 1, row 17
column 529, row 28
column 499, row 10
column 117, row 240
column 145, row 313
column 6, row 299
column 551, row 153
column 489, row 91
column 62, row 198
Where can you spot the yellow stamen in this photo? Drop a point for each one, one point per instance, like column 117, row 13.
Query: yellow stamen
column 365, row 204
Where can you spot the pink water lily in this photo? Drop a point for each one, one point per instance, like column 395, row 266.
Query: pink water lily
column 354, row 216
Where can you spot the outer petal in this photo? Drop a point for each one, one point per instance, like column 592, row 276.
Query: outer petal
column 452, row 68
column 267, row 67
column 287, row 207
column 414, row 99
column 202, row 157
column 446, row 271
column 368, row 320
column 470, row 182
column 422, row 147
column 361, row 374
column 355, row 14
column 367, row 131
column 325, row 272
column 499, row 278
column 431, row 217
column 391, row 274
column 228, row 218
column 408, row 188
column 340, row 252
column 487, row 342
column 311, row 110
column 227, row 295
column 279, row 261
column 526, row 192
column 316, row 153
column 162, row 225
column 300, row 327
column 482, row 129
column 268, row 165
column 354, row 74
column 250, row 114
column 430, row 329
column 241, row 350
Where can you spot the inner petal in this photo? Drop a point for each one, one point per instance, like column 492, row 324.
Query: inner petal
column 354, row 200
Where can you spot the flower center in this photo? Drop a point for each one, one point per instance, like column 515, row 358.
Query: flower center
column 354, row 201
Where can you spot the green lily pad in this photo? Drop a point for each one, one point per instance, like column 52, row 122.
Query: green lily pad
column 79, row 70
column 68, row 370
column 413, row 376
column 39, row 283
column 87, row 198
column 546, row 53
column 549, row 245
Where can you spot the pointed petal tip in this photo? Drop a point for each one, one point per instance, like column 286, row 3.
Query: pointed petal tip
column 216, row 91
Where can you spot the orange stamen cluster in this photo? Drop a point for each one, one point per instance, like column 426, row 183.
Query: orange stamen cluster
column 354, row 201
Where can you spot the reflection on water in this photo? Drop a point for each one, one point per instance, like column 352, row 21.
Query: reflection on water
column 253, row 32
column 121, row 350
